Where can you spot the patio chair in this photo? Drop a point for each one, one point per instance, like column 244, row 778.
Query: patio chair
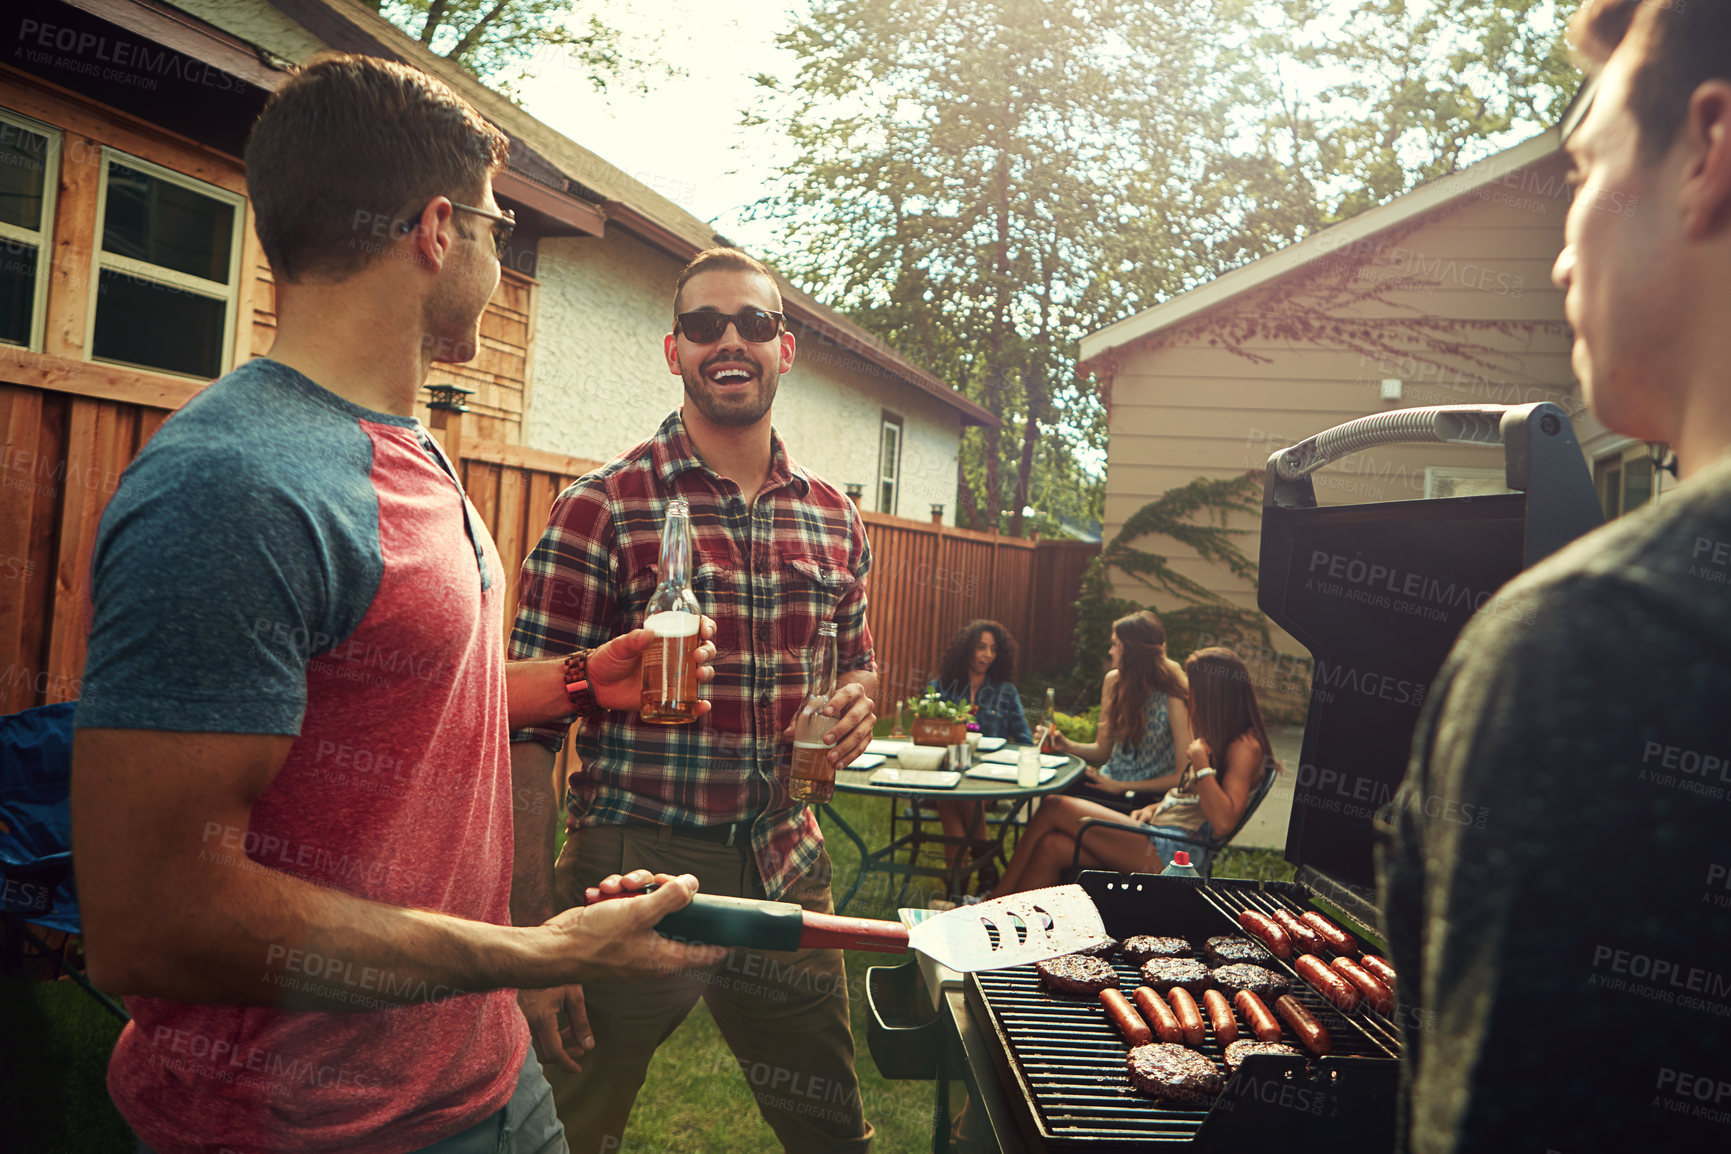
column 40, row 909
column 1208, row 847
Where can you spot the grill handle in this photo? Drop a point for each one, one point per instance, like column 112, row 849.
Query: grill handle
column 1541, row 458
column 1449, row 424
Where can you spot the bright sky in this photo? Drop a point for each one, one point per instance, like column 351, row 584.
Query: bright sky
column 682, row 138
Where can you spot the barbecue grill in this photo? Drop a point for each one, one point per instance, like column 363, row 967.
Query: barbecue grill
column 1377, row 594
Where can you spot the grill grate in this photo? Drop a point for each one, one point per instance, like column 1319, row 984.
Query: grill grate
column 1379, row 1028
column 1067, row 1060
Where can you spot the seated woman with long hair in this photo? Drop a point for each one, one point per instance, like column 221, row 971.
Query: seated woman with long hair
column 1226, row 762
column 979, row 668
column 1144, row 715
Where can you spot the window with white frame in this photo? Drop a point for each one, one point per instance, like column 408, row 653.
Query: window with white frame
column 167, row 277
column 1452, row 481
column 889, row 463
column 1624, row 479
column 29, row 178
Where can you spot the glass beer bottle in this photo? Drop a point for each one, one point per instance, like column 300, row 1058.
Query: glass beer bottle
column 1049, row 722
column 812, row 779
column 670, row 662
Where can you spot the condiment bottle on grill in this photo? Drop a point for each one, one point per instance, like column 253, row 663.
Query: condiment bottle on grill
column 1179, row 866
column 673, row 615
column 812, row 778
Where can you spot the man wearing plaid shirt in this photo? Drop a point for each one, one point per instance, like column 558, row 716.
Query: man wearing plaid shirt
column 775, row 552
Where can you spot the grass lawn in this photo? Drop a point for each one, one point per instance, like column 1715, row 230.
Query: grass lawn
column 55, row 1041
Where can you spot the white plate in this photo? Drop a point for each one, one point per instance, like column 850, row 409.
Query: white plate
column 997, row 771
column 866, row 761
column 1011, row 756
column 987, row 744
column 916, row 778
column 888, row 746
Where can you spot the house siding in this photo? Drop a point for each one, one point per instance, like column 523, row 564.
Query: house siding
column 1188, row 408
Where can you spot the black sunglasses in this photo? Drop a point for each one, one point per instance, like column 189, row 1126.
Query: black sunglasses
column 504, row 224
column 705, row 328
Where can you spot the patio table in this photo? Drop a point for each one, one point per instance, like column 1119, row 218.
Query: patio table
column 977, row 790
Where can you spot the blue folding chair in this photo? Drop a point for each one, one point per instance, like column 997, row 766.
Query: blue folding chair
column 40, row 898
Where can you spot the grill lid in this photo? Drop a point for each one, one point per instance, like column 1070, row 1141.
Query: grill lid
column 1377, row 593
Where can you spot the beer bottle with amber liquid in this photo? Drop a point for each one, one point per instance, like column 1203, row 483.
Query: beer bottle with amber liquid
column 812, row 779
column 670, row 662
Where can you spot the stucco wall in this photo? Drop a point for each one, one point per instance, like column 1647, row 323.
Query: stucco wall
column 602, row 385
column 601, row 382
column 830, row 411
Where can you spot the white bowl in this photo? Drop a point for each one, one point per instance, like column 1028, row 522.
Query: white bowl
column 921, row 757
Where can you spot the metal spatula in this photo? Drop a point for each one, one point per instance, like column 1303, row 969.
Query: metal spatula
column 1025, row 927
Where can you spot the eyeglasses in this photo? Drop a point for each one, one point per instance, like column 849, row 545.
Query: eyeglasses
column 504, row 224
column 705, row 328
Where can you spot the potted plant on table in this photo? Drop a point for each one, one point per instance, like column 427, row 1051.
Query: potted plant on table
column 940, row 722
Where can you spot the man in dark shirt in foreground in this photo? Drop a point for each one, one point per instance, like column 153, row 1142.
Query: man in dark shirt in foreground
column 1569, row 965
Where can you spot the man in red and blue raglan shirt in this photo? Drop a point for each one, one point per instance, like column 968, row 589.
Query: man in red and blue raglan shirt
column 292, row 803
column 776, row 551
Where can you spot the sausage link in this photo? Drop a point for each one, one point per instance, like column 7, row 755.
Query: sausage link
column 1189, row 1017
column 1304, row 939
column 1158, row 1013
column 1304, row 1024
column 1257, row 1016
column 1338, row 939
column 1123, row 1015
column 1328, row 983
column 1377, row 994
column 1266, row 932
column 1380, row 969
column 1220, row 1016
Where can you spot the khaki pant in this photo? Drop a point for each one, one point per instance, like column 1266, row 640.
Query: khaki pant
column 784, row 1014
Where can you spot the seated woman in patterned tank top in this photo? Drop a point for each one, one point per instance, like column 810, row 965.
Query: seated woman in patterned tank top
column 1207, row 797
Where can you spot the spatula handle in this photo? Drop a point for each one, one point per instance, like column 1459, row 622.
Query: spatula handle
column 833, row 932
column 720, row 921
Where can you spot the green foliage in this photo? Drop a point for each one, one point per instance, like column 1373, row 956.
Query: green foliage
column 1169, row 516
column 1081, row 728
column 498, row 40
column 935, row 705
column 972, row 180
column 1202, row 617
column 1413, row 90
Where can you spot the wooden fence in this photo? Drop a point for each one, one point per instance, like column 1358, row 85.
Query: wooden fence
column 928, row 581
column 62, row 453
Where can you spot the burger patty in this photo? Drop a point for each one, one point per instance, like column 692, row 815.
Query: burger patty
column 1164, row 973
column 1104, row 950
column 1264, row 983
column 1229, row 948
column 1173, row 1073
column 1237, row 1051
column 1141, row 947
column 1077, row 974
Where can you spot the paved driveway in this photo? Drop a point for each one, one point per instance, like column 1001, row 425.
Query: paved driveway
column 1267, row 827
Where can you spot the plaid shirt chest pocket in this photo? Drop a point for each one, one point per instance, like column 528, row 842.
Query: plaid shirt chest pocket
column 811, row 588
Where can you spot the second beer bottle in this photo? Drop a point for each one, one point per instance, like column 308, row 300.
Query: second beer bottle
column 812, row 779
column 670, row 662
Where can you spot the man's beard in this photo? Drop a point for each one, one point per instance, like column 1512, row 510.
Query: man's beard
column 450, row 329
column 747, row 409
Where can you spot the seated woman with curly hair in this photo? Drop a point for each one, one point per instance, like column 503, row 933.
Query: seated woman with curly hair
column 979, row 668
